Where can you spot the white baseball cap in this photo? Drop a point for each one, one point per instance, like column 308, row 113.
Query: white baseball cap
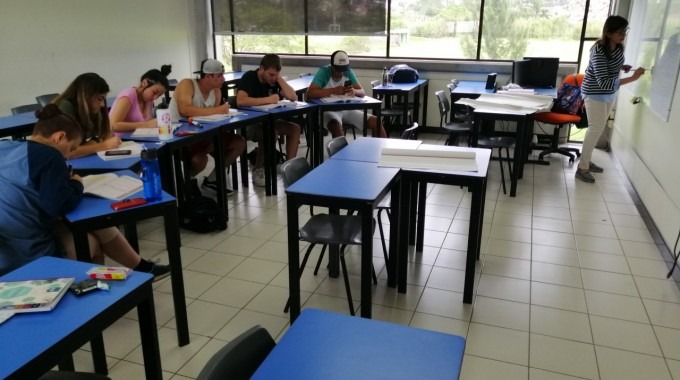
column 211, row 66
column 340, row 61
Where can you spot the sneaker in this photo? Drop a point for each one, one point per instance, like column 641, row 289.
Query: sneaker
column 159, row 271
column 258, row 177
column 584, row 176
column 212, row 185
column 594, row 168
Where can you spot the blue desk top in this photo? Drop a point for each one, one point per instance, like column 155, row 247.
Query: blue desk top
column 401, row 86
column 94, row 162
column 301, row 84
column 472, row 87
column 233, row 77
column 325, row 345
column 23, row 120
column 93, row 207
column 27, row 335
column 345, row 179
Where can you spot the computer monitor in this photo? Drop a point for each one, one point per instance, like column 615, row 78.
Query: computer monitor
column 521, row 73
column 543, row 71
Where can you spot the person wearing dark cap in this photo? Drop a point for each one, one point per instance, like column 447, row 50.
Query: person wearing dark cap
column 203, row 97
column 330, row 80
column 263, row 86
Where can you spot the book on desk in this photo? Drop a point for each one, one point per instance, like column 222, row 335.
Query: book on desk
column 31, row 296
column 111, row 186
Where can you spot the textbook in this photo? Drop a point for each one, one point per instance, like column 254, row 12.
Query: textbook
column 428, row 158
column 281, row 103
column 33, row 295
column 111, row 185
column 341, row 99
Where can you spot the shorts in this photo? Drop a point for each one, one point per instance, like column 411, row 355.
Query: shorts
column 254, row 132
column 354, row 117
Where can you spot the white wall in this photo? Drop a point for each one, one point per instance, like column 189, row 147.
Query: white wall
column 45, row 44
column 649, row 149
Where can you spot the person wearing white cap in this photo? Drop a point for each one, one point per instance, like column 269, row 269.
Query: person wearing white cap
column 266, row 86
column 330, row 80
column 203, row 97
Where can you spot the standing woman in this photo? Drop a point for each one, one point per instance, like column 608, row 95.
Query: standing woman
column 85, row 100
column 133, row 107
column 599, row 88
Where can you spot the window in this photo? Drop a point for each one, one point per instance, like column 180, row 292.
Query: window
column 430, row 29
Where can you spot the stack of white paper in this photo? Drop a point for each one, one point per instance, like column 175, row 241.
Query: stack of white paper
column 134, row 148
column 341, row 99
column 431, row 159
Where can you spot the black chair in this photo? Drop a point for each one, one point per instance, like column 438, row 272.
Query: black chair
column 455, row 129
column 324, row 229
column 495, row 142
column 44, row 100
column 459, row 113
column 392, row 114
column 335, row 145
column 241, row 357
column 25, row 108
column 410, row 133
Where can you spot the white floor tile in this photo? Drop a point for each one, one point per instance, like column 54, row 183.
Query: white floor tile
column 624, row 365
column 498, row 343
column 560, row 324
column 476, row 368
column 563, row 356
column 625, row 335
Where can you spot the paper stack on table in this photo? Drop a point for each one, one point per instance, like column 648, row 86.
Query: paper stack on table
column 428, row 157
column 511, row 103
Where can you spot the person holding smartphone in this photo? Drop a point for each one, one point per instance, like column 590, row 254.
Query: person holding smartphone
column 338, row 79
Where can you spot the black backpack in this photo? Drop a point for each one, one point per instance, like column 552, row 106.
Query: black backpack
column 201, row 214
column 403, row 74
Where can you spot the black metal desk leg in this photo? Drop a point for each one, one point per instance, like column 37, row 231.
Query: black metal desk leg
column 366, row 261
column 420, row 234
column 293, row 258
column 395, row 226
column 333, row 253
column 473, row 242
column 149, row 333
column 413, row 222
column 402, row 264
column 177, row 278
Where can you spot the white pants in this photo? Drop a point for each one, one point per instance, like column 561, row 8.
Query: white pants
column 598, row 114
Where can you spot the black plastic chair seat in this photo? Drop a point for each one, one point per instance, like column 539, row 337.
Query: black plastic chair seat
column 332, row 229
column 496, row 142
column 457, row 127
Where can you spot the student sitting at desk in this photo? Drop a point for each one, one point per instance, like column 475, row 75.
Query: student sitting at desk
column 330, row 80
column 85, row 100
column 203, row 97
column 38, row 188
column 133, row 107
column 266, row 86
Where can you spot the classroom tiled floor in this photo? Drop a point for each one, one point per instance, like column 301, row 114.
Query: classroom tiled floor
column 571, row 284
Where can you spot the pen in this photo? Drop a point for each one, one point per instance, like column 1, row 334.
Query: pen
column 193, row 122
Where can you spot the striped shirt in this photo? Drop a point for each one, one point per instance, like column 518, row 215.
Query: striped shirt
column 602, row 73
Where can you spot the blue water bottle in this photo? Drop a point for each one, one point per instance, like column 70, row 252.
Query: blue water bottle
column 151, row 175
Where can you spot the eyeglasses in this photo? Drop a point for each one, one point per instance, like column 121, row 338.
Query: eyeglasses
column 622, row 32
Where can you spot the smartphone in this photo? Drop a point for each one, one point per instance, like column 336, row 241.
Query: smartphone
column 127, row 203
column 348, row 83
column 121, row 152
column 82, row 287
